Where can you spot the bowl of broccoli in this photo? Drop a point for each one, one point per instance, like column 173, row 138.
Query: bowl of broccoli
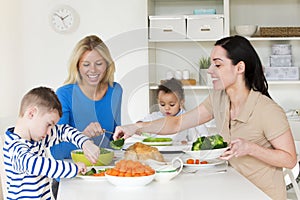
column 208, row 147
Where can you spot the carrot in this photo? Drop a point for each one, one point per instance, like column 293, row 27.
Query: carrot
column 190, row 161
column 99, row 174
column 130, row 168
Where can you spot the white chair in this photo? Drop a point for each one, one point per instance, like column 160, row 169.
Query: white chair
column 290, row 175
column 2, row 170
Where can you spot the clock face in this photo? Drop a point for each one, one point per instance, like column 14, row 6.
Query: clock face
column 64, row 19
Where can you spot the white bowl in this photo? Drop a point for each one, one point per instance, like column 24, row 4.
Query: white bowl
column 246, row 30
column 206, row 154
column 130, row 181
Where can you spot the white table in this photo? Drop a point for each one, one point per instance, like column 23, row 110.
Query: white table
column 229, row 185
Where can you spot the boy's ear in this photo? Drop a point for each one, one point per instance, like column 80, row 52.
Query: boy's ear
column 31, row 112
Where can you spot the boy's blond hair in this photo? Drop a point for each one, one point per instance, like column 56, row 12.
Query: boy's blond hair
column 41, row 97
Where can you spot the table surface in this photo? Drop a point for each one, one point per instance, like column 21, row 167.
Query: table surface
column 205, row 184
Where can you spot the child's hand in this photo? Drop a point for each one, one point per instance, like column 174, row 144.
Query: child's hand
column 81, row 168
column 91, row 151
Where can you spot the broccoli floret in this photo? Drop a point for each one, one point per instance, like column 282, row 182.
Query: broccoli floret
column 216, row 141
column 209, row 142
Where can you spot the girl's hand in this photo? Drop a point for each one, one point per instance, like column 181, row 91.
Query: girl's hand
column 91, row 151
column 93, row 129
column 81, row 168
column 238, row 147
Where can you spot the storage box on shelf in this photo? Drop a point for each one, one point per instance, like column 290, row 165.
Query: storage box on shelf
column 176, row 27
column 282, row 73
column 280, row 60
column 280, row 31
column 205, row 26
column 167, row 27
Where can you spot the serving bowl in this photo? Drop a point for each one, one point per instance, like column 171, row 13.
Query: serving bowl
column 129, row 181
column 105, row 158
column 246, row 30
column 206, row 154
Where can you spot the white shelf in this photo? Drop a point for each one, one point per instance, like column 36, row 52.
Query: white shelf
column 273, row 38
column 183, row 40
column 154, row 86
column 249, row 38
column 284, row 82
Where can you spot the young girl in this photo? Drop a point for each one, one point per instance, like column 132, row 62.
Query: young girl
column 170, row 99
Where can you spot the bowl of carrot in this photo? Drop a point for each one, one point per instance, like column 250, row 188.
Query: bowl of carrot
column 129, row 173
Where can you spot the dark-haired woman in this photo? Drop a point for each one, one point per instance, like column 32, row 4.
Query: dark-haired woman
column 261, row 142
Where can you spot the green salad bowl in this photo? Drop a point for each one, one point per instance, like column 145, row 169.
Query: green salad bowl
column 105, row 158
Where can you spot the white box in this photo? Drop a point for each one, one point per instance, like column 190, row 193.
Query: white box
column 280, row 60
column 167, row 27
column 205, row 26
column 282, row 73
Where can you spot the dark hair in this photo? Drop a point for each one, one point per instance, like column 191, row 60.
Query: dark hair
column 172, row 86
column 42, row 97
column 240, row 49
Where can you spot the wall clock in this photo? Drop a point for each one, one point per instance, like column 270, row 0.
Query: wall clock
column 64, row 19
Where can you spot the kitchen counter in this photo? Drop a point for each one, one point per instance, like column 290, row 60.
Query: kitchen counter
column 201, row 185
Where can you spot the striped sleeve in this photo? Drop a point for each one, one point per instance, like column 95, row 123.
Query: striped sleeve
column 67, row 133
column 28, row 162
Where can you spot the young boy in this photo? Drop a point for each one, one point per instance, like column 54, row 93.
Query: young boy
column 28, row 166
column 170, row 99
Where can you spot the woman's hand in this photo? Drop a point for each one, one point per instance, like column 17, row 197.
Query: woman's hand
column 237, row 148
column 91, row 151
column 81, row 167
column 93, row 129
column 124, row 132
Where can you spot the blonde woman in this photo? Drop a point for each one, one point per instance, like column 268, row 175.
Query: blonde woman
column 91, row 100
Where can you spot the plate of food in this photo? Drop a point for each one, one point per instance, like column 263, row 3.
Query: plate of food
column 95, row 173
column 197, row 163
column 157, row 141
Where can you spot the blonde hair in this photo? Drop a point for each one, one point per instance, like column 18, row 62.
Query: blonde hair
column 90, row 43
column 42, row 97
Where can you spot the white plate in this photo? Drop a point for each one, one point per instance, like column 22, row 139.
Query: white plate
column 211, row 163
column 158, row 143
column 94, row 178
column 206, row 154
column 130, row 181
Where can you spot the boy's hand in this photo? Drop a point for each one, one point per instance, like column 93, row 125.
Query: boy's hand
column 91, row 151
column 81, row 168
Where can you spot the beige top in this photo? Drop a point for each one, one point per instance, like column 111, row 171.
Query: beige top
column 260, row 121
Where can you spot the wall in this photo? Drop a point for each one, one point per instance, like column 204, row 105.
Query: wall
column 32, row 54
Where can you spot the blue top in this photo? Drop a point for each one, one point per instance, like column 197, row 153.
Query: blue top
column 79, row 111
column 29, row 168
